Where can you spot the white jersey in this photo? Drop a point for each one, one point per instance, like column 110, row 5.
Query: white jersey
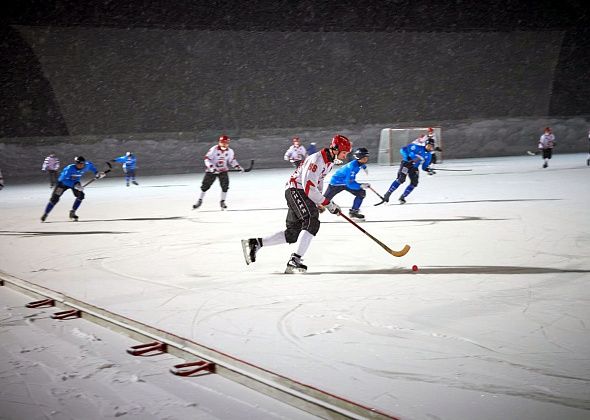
column 547, row 141
column 309, row 176
column 295, row 153
column 217, row 160
column 420, row 141
column 51, row 163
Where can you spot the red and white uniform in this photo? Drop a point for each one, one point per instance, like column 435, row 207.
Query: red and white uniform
column 309, row 176
column 547, row 141
column 51, row 163
column 420, row 141
column 295, row 153
column 217, row 160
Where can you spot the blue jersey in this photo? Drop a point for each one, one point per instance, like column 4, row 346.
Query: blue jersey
column 347, row 175
column 70, row 175
column 417, row 154
column 128, row 162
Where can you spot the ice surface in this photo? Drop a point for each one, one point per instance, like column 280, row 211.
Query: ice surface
column 494, row 322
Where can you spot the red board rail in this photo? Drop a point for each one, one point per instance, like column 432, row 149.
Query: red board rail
column 155, row 347
column 187, row 369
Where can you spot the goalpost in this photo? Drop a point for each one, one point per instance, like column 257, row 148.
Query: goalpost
column 393, row 139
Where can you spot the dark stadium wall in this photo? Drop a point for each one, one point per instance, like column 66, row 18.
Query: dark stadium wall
column 166, row 91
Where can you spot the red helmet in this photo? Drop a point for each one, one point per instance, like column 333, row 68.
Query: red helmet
column 341, row 143
column 224, row 141
column 430, row 130
column 296, row 140
column 547, row 129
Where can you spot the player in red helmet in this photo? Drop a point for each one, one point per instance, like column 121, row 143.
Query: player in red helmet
column 303, row 193
column 296, row 153
column 217, row 160
column 546, row 144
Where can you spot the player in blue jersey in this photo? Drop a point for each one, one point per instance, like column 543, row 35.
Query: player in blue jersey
column 70, row 178
column 414, row 155
column 129, row 162
column 344, row 179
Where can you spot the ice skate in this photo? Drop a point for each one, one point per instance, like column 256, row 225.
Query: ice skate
column 197, row 204
column 222, row 205
column 250, row 248
column 295, row 266
column 73, row 216
column 588, row 162
column 127, row 184
column 44, row 217
column 134, row 182
column 355, row 214
column 402, row 199
column 545, row 165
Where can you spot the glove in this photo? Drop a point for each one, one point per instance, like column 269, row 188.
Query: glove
column 321, row 208
column 78, row 187
column 100, row 175
column 365, row 185
column 239, row 168
column 333, row 208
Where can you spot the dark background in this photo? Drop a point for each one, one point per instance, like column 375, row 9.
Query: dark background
column 162, row 77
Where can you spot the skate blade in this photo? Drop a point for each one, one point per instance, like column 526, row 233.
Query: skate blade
column 246, row 250
column 292, row 270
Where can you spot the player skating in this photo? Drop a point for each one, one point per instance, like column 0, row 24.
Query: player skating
column 413, row 155
column 296, row 153
column 546, row 144
column 217, row 160
column 1, row 180
column 51, row 166
column 70, row 178
column 344, row 179
column 129, row 164
column 588, row 158
column 303, row 193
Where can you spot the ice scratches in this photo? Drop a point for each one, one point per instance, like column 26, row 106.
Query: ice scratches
column 326, row 331
column 81, row 334
column 430, row 221
column 530, row 368
column 30, row 234
column 465, row 269
column 446, row 381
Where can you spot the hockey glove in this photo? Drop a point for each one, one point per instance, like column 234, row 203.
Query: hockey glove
column 333, row 208
column 78, row 187
column 365, row 185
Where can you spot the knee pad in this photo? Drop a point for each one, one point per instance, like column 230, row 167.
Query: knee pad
column 313, row 226
column 415, row 182
column 54, row 199
column 291, row 235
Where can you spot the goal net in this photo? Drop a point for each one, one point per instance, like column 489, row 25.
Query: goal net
column 393, row 139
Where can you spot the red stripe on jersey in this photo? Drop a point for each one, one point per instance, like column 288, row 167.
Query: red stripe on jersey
column 308, row 186
column 325, row 156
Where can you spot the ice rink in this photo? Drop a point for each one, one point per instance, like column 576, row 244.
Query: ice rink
column 494, row 324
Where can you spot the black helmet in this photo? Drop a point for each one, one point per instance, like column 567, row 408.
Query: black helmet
column 79, row 159
column 360, row 153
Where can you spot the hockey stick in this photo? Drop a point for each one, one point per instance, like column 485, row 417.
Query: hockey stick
column 454, row 170
column 528, row 152
column 105, row 171
column 400, row 253
column 378, row 195
column 248, row 169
